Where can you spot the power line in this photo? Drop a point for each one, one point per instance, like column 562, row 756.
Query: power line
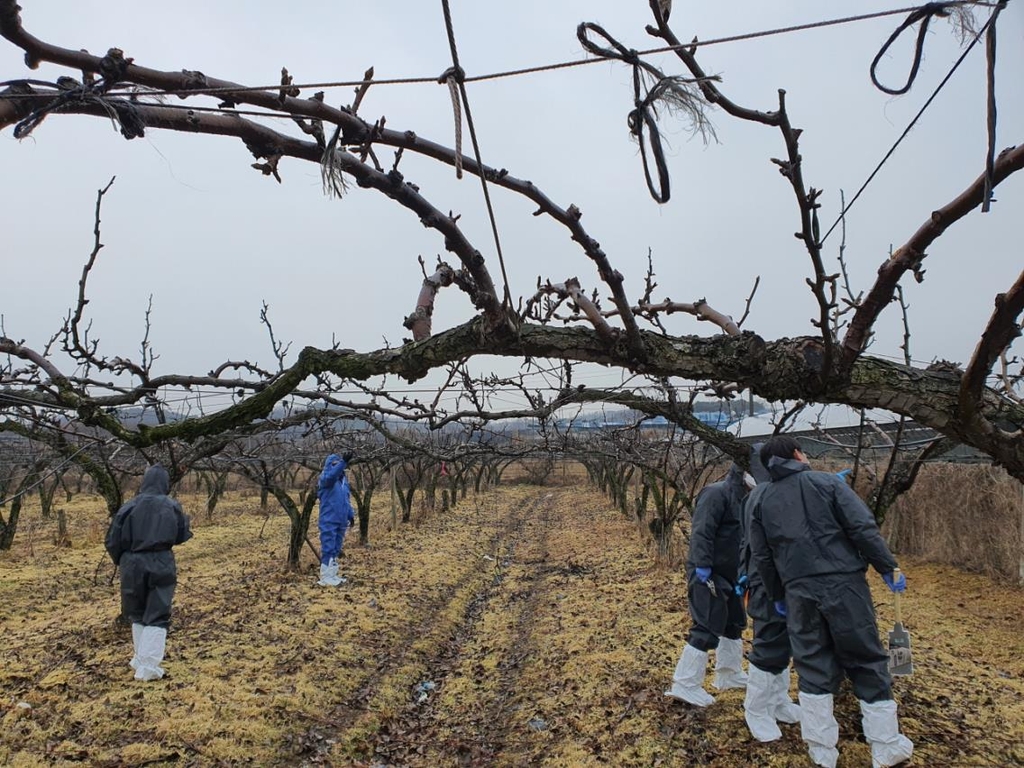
column 907, row 130
column 433, row 80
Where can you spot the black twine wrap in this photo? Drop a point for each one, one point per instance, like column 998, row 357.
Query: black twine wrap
column 112, row 67
column 643, row 116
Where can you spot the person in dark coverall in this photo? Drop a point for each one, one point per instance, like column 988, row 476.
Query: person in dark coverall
column 139, row 541
column 812, row 539
column 716, row 610
column 336, row 515
column 767, row 701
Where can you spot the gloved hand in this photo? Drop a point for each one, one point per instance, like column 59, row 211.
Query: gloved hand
column 841, row 474
column 780, row 607
column 741, row 585
column 347, row 457
column 704, row 574
column 895, row 585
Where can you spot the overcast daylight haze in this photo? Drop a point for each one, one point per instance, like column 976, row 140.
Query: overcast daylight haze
column 189, row 222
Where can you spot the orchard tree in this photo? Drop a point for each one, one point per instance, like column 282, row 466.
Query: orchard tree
column 563, row 318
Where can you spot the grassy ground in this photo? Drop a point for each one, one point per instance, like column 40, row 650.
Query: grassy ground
column 529, row 626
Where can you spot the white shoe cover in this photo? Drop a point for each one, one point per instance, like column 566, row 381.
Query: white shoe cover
column 758, row 703
column 881, row 729
column 729, row 664
column 819, row 728
column 688, row 679
column 136, row 636
column 152, row 642
column 329, row 575
column 783, row 709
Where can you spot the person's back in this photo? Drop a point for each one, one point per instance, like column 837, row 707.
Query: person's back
column 139, row 540
column 815, row 524
column 154, row 525
column 716, row 531
column 811, row 538
column 716, row 611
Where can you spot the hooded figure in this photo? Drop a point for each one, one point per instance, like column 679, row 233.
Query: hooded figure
column 139, row 540
column 336, row 515
column 715, row 608
column 811, row 540
column 767, row 701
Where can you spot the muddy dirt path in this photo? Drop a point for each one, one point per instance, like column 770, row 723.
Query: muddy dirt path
column 529, row 626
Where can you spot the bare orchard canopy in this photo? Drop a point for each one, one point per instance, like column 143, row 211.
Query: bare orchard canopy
column 560, row 319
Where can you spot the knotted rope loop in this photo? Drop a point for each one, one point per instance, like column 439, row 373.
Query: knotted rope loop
column 453, row 77
column 642, row 118
column 924, row 14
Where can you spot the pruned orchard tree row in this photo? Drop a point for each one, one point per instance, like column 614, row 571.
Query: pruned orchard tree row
column 561, row 319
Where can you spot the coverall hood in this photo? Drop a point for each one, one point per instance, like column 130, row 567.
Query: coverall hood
column 334, row 459
column 156, row 481
column 757, row 469
column 734, row 477
column 779, row 468
column 334, row 465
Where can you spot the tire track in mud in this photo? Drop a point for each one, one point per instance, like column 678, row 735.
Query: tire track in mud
column 434, row 732
column 364, row 725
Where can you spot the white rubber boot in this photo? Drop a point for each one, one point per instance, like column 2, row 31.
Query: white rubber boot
column 882, row 730
column 757, row 705
column 782, row 708
column 819, row 728
column 136, row 636
column 337, row 566
column 329, row 574
column 729, row 665
column 688, row 679
column 152, row 643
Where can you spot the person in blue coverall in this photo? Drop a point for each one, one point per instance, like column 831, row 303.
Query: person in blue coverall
column 336, row 515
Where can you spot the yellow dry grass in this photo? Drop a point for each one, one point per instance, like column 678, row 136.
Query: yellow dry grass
column 538, row 615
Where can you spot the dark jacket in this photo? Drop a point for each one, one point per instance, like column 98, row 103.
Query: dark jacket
column 715, row 533
column 151, row 522
column 334, row 494
column 806, row 524
column 759, row 606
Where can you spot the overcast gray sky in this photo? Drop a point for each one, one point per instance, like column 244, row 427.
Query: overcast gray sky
column 191, row 223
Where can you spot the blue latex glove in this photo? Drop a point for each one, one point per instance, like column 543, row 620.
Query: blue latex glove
column 741, row 585
column 780, row 607
column 897, row 585
column 704, row 574
column 841, row 474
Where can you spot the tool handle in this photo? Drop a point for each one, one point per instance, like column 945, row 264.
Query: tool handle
column 899, row 613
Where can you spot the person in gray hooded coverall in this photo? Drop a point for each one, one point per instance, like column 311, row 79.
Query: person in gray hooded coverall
column 139, row 540
column 811, row 539
column 715, row 608
column 767, row 701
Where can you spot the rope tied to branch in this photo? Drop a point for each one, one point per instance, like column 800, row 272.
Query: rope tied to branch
column 122, row 113
column 990, row 78
column 924, row 15
column 454, row 77
column 457, row 76
column 651, row 88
